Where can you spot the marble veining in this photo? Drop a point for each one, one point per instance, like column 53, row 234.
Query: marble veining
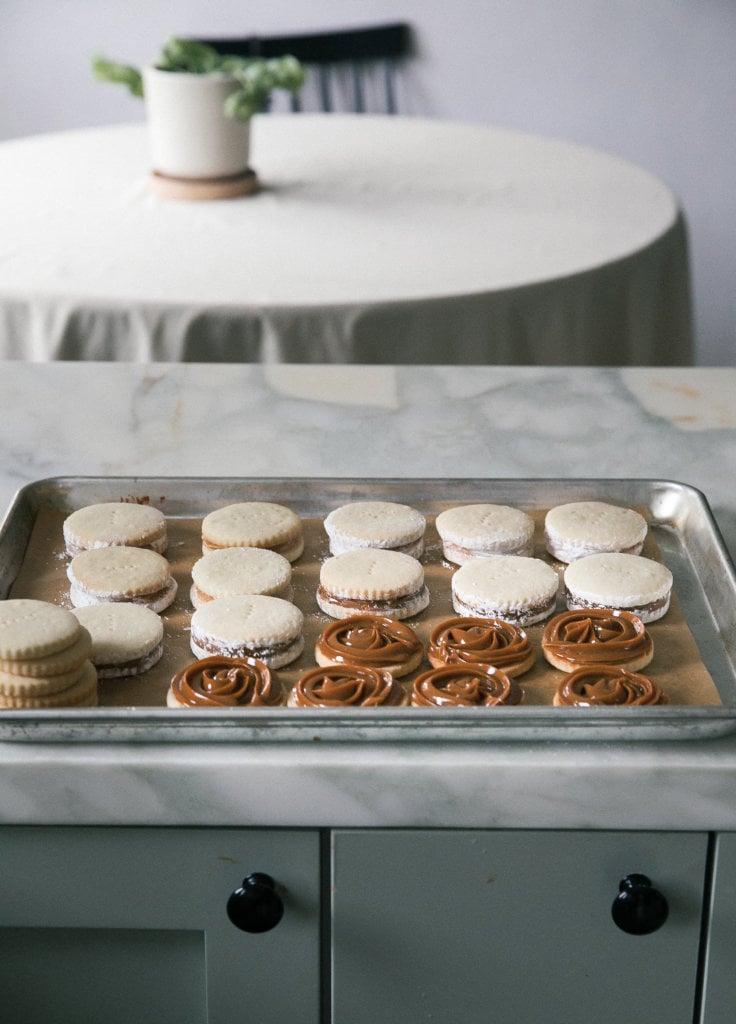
column 440, row 422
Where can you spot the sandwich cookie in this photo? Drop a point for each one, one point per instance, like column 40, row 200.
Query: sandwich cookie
column 472, row 531
column 249, row 626
column 372, row 581
column 513, row 588
column 232, row 572
column 347, row 686
column 221, row 682
column 607, row 686
column 582, row 528
column 376, row 524
column 618, row 581
column 597, row 636
column 254, row 524
column 44, row 657
column 472, row 641
column 138, row 575
column 115, row 524
column 464, row 686
column 370, row 640
column 127, row 639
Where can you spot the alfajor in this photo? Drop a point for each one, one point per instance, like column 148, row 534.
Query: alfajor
column 376, row 524
column 472, row 531
column 372, row 581
column 619, row 581
column 115, row 524
column 266, row 628
column 254, row 524
column 582, row 528
column 513, row 588
column 127, row 639
column 121, row 574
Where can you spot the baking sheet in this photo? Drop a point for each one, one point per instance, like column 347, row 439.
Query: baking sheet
column 691, row 663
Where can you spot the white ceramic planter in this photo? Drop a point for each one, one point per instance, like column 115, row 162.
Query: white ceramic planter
column 190, row 135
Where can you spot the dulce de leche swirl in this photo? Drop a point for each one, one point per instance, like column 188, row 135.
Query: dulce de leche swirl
column 463, row 641
column 464, row 686
column 370, row 640
column 597, row 636
column 345, row 686
column 226, row 682
column 607, row 685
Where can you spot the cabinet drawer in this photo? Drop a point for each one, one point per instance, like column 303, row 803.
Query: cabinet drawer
column 126, row 925
column 511, row 926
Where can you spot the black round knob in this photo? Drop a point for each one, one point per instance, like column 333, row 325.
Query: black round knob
column 255, row 906
column 639, row 908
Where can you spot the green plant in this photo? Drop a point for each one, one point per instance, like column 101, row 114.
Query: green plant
column 256, row 77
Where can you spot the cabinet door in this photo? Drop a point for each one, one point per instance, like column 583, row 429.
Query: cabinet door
column 129, row 926
column 719, row 990
column 510, row 927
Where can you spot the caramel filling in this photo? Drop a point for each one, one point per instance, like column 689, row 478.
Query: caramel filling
column 240, row 649
column 365, row 604
column 340, row 686
column 227, row 682
column 602, row 685
column 464, row 641
column 464, row 686
column 596, row 636
column 369, row 640
column 648, row 607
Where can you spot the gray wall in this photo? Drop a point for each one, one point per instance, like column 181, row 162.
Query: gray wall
column 652, row 81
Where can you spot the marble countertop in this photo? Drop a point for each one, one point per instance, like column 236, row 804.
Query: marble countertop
column 332, row 421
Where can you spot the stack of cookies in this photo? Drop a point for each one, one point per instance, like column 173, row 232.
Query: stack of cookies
column 44, row 657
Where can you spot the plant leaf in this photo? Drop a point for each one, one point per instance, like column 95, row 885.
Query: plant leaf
column 110, row 71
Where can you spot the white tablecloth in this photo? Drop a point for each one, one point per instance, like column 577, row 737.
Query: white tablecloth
column 372, row 240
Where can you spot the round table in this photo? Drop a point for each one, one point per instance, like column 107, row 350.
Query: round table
column 371, row 240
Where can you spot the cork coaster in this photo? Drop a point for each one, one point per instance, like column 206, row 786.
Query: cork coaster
column 230, row 187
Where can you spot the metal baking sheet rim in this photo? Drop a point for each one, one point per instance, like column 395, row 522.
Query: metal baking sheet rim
column 400, row 725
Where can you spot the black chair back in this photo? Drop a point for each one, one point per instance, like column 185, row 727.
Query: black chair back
column 354, row 53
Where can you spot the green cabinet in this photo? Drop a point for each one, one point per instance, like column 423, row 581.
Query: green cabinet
column 511, row 927
column 400, row 926
column 129, row 926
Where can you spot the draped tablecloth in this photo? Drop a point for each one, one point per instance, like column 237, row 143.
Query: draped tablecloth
column 371, row 240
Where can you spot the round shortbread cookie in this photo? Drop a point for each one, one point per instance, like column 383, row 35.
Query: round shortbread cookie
column 121, row 574
column 472, row 531
column 231, row 572
column 12, row 685
column 581, row 528
column 514, row 588
column 254, row 524
column 619, row 581
column 34, row 629
column 115, row 523
column 376, row 524
column 51, row 665
column 266, row 628
column 81, row 693
column 374, row 581
column 127, row 638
